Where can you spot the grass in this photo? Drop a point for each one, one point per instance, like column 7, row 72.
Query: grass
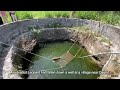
column 41, row 14
column 110, row 17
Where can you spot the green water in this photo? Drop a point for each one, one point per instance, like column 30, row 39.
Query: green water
column 71, row 71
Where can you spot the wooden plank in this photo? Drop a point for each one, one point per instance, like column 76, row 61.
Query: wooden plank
column 65, row 59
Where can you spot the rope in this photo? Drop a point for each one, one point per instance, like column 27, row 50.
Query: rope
column 77, row 52
column 81, row 53
column 27, row 52
column 71, row 46
column 100, row 54
column 33, row 62
column 84, row 48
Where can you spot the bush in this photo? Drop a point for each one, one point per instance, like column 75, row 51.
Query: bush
column 87, row 15
column 24, row 15
column 48, row 15
column 111, row 17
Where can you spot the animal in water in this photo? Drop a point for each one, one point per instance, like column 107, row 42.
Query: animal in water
column 56, row 58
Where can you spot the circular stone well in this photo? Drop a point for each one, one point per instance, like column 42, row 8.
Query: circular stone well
column 20, row 41
column 26, row 46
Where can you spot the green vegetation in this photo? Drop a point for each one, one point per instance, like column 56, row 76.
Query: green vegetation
column 24, row 15
column 111, row 17
column 41, row 14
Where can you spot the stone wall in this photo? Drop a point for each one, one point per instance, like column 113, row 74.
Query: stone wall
column 14, row 29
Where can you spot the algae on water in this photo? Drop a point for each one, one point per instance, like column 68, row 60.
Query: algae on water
column 52, row 70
